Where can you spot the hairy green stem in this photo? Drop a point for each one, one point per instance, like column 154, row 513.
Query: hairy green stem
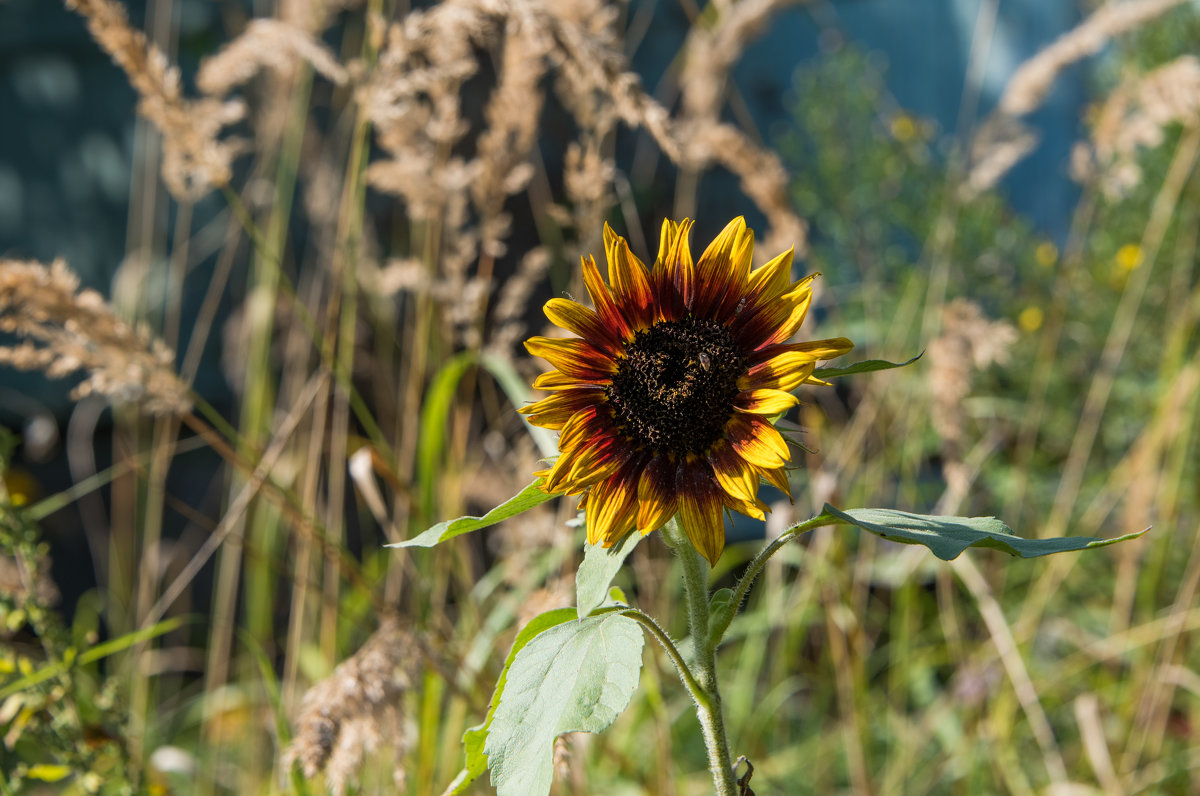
column 756, row 566
column 660, row 635
column 707, row 697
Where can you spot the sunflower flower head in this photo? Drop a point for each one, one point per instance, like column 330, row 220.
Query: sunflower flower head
column 663, row 401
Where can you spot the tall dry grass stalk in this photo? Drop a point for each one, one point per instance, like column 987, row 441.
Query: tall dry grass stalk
column 70, row 330
column 266, row 44
column 195, row 158
column 412, row 99
column 1003, row 140
column 711, row 51
column 440, row 162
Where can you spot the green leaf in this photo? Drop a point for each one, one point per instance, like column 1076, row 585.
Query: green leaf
column 527, row 498
column 600, row 565
column 473, row 739
column 947, row 537
column 435, row 411
column 283, row 731
column 866, row 366
column 575, row 676
column 440, row 399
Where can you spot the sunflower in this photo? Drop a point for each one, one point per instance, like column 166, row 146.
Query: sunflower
column 663, row 402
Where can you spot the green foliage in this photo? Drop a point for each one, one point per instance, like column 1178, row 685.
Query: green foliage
column 900, row 640
column 866, row 366
column 435, row 409
column 721, row 610
column 948, row 537
column 524, row 500
column 71, row 657
column 600, row 565
column 574, row 671
column 576, row 676
column 475, row 738
column 61, row 715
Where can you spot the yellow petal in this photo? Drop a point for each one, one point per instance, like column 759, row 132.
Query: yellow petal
column 751, row 508
column 578, row 427
column 792, row 309
column 602, row 299
column 774, row 320
column 572, row 356
column 757, row 441
column 733, row 473
column 556, row 477
column 773, row 278
column 777, row 477
column 731, row 239
column 765, row 402
column 785, row 373
column 629, row 279
column 657, row 501
column 675, row 260
column 700, row 511
column 575, row 317
column 596, row 462
column 723, row 269
column 610, row 505
column 557, row 380
column 673, row 244
column 556, row 410
column 819, row 349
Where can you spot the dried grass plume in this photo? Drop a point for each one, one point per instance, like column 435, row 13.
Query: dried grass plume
column 266, row 44
column 1003, row 140
column 1133, row 118
column 356, row 709
column 70, row 330
column 195, row 159
column 969, row 342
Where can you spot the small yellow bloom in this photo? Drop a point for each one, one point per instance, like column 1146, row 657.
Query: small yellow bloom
column 47, row 772
column 20, row 485
column 1129, row 256
column 1031, row 319
column 1046, row 254
column 904, row 129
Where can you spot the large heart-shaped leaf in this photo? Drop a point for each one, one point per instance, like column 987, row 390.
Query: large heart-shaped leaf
column 475, row 737
column 575, row 676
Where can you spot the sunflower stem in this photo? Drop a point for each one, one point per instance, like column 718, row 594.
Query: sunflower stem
column 758, row 564
column 704, row 670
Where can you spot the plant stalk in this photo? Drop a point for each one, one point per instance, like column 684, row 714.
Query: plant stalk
column 704, row 669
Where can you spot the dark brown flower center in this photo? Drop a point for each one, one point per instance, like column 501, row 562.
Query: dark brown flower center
column 673, row 391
